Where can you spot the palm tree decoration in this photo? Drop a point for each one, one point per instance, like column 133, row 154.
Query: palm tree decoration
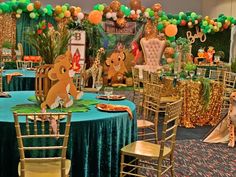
column 48, row 41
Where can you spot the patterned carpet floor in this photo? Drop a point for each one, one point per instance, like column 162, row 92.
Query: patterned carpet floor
column 193, row 158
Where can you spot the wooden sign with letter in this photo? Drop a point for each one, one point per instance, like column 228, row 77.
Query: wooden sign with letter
column 111, row 27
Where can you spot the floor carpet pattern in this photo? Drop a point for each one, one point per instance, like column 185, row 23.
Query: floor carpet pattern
column 194, row 158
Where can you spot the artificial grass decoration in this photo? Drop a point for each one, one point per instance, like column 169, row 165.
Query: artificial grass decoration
column 206, row 91
column 78, row 106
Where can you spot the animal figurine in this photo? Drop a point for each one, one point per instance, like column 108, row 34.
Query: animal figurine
column 95, row 71
column 210, row 54
column 232, row 119
column 116, row 65
column 75, row 61
column 64, row 87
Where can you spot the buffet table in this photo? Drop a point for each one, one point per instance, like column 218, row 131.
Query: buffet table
column 19, row 83
column 95, row 138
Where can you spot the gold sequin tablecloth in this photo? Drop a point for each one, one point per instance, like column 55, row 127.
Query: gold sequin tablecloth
column 193, row 112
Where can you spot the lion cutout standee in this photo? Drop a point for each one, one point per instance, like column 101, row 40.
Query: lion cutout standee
column 61, row 91
column 116, row 66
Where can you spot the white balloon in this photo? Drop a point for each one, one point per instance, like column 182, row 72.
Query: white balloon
column 113, row 14
column 80, row 16
column 146, row 14
column 114, row 18
column 132, row 12
column 138, row 11
column 108, row 15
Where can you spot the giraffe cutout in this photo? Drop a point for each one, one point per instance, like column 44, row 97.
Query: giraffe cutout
column 95, row 71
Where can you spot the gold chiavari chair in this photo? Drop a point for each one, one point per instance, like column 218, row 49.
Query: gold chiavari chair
column 46, row 135
column 229, row 81
column 154, row 78
column 147, row 124
column 215, row 75
column 201, row 72
column 146, row 77
column 158, row 158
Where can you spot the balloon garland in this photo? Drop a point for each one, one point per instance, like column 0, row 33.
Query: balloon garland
column 120, row 13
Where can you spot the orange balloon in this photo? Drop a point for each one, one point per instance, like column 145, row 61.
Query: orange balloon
column 135, row 4
column 58, row 9
column 37, row 4
column 95, row 17
column 171, row 30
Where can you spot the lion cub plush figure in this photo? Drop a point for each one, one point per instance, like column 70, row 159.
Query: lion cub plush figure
column 116, row 66
column 64, row 87
column 232, row 119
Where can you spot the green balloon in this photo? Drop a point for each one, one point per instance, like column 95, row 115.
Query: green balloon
column 122, row 8
column 184, row 17
column 67, row 5
column 19, row 11
column 160, row 26
column 14, row 7
column 151, row 13
column 169, row 15
column 193, row 15
column 173, row 44
column 148, row 9
column 32, row 15
column 49, row 13
column 95, row 7
column 101, row 7
column 1, row 11
column 174, row 21
column 171, row 39
column 219, row 24
column 204, row 23
column 127, row 11
column 181, row 14
column 49, row 7
column 175, row 55
column 160, row 13
column 61, row 15
column 64, row 8
column 45, row 10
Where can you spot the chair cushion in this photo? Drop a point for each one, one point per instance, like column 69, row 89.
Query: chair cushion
column 141, row 123
column 144, row 149
column 168, row 99
column 44, row 169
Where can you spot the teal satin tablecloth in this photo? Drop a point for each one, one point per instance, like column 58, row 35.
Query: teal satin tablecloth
column 19, row 83
column 94, row 144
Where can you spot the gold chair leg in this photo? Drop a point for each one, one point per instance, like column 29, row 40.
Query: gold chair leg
column 121, row 165
column 172, row 165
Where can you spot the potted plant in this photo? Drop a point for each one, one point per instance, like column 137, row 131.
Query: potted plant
column 50, row 43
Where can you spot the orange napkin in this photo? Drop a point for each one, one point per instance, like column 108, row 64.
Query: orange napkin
column 9, row 76
column 111, row 108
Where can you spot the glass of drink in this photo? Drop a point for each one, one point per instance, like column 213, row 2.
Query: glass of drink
column 98, row 86
column 108, row 91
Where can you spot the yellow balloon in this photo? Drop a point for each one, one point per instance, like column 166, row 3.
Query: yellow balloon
column 78, row 9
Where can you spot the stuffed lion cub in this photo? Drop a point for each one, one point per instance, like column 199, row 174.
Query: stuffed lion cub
column 64, row 87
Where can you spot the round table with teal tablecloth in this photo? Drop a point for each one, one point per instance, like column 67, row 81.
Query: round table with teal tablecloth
column 19, row 83
column 95, row 138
